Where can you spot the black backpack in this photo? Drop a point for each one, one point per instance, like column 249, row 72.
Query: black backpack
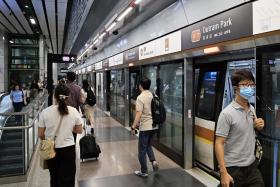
column 91, row 99
column 158, row 111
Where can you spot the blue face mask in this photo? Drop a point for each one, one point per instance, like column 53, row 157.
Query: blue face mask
column 247, row 92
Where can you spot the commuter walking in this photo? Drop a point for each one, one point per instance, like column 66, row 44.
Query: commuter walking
column 75, row 95
column 235, row 136
column 89, row 100
column 17, row 97
column 144, row 121
column 65, row 119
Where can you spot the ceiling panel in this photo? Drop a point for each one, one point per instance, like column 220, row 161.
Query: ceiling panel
column 61, row 11
column 50, row 6
column 5, row 10
column 37, row 4
column 7, row 24
column 17, row 11
column 2, row 28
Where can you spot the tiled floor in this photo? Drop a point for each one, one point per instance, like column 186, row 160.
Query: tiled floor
column 116, row 163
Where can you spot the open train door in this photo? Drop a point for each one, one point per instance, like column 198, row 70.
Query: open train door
column 209, row 88
column 213, row 92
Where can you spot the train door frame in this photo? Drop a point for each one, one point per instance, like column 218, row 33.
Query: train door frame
column 132, row 70
column 219, row 90
column 188, row 119
column 211, row 62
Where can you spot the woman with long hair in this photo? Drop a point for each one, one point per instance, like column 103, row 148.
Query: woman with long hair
column 89, row 110
column 66, row 119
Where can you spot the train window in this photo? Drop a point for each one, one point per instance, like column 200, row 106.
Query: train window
column 206, row 106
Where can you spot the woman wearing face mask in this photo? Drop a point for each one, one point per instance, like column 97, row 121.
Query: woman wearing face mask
column 235, row 135
column 17, row 97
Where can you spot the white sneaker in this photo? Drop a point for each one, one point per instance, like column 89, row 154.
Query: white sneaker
column 140, row 174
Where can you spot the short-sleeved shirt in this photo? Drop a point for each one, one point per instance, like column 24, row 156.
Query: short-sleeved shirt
column 237, row 126
column 143, row 104
column 17, row 96
column 50, row 118
column 74, row 99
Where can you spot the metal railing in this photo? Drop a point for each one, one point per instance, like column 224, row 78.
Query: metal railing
column 28, row 120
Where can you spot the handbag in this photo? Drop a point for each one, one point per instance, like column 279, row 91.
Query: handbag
column 47, row 146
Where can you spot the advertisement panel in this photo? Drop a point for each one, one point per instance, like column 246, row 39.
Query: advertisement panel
column 266, row 16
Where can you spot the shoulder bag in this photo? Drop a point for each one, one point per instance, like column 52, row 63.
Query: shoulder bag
column 47, row 146
column 258, row 145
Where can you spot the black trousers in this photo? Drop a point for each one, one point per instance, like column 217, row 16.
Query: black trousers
column 62, row 167
column 249, row 176
column 17, row 108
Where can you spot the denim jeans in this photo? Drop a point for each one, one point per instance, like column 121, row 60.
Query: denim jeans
column 145, row 147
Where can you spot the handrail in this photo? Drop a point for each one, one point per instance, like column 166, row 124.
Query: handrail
column 29, row 118
column 26, row 126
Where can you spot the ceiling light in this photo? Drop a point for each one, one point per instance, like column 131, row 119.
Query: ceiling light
column 3, row 37
column 103, row 34
column 129, row 9
column 32, row 21
column 111, row 26
column 137, row 2
column 130, row 64
column 211, row 50
column 11, row 41
column 26, row 6
column 95, row 42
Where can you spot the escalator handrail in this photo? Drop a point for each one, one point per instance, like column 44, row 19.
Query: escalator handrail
column 4, row 95
column 26, row 126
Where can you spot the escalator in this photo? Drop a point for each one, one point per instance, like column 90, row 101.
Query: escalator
column 11, row 142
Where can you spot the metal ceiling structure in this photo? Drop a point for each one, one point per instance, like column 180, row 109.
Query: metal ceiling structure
column 67, row 25
column 48, row 17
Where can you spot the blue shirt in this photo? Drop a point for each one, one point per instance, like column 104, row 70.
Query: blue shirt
column 17, row 96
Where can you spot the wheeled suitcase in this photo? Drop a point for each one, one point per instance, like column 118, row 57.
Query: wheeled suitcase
column 88, row 147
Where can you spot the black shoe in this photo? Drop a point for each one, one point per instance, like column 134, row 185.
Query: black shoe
column 92, row 131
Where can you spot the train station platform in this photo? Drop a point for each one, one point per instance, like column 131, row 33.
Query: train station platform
column 117, row 163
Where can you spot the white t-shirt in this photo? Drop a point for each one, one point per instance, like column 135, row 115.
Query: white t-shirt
column 50, row 118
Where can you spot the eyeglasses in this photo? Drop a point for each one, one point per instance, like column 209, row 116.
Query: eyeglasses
column 252, row 85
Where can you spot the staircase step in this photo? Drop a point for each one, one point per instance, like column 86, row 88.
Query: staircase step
column 12, row 136
column 6, row 151
column 17, row 159
column 12, row 143
column 11, row 169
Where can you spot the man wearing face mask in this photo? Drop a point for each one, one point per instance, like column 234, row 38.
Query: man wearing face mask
column 235, row 136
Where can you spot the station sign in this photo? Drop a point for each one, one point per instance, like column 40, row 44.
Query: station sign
column 62, row 58
column 230, row 25
column 131, row 55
